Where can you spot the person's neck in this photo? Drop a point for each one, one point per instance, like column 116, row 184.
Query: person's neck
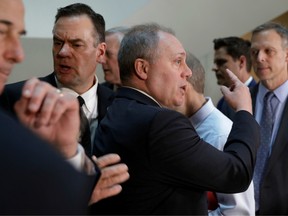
column 245, row 77
column 79, row 89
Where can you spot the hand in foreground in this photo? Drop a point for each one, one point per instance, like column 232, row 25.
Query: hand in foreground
column 112, row 175
column 238, row 94
column 51, row 114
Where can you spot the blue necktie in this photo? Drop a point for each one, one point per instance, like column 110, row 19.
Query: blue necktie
column 266, row 127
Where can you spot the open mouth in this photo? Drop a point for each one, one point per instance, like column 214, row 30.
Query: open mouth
column 64, row 68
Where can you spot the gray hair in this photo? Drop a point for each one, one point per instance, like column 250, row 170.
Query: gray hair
column 141, row 41
column 281, row 30
column 197, row 79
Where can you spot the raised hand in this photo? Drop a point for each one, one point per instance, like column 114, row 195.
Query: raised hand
column 51, row 114
column 238, row 94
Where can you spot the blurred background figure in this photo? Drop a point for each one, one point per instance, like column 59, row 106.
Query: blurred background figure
column 232, row 53
column 113, row 38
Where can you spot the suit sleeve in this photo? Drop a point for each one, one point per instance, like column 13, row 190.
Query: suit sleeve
column 183, row 158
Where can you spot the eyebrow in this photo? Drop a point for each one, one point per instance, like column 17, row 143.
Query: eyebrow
column 182, row 54
column 70, row 41
column 8, row 23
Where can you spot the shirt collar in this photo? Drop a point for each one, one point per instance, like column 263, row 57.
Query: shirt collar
column 281, row 92
column 144, row 94
column 90, row 96
column 248, row 81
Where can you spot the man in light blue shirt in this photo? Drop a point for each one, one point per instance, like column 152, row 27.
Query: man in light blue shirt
column 214, row 127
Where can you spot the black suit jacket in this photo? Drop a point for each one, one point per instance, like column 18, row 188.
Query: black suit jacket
column 224, row 107
column 274, row 189
column 35, row 179
column 12, row 93
column 170, row 166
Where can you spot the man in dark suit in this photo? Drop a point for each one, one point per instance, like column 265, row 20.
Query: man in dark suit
column 171, row 168
column 78, row 47
column 35, row 179
column 232, row 53
column 269, row 51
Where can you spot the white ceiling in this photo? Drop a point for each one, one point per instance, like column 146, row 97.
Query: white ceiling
column 196, row 22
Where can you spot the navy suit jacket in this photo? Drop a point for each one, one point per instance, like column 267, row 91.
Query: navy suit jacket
column 35, row 179
column 224, row 107
column 274, row 189
column 170, row 166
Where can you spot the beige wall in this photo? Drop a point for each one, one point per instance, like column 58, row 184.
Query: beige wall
column 39, row 62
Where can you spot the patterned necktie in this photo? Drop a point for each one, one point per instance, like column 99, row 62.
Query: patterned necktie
column 85, row 134
column 266, row 127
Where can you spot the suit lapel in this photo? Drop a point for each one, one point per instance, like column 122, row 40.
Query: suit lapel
column 254, row 91
column 49, row 79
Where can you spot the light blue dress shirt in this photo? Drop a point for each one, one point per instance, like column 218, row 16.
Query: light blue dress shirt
column 214, row 127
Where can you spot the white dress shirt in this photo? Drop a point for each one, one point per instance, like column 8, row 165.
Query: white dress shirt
column 90, row 109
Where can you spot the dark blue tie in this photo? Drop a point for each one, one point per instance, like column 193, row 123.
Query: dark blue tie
column 266, row 126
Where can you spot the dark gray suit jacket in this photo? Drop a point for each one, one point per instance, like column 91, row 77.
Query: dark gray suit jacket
column 274, row 189
column 170, row 166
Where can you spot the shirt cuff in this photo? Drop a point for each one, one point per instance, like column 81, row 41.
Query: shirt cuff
column 78, row 160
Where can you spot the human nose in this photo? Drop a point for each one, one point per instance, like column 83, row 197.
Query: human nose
column 215, row 69
column 260, row 56
column 15, row 52
column 64, row 50
column 187, row 72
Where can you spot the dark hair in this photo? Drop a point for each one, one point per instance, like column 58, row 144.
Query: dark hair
column 235, row 47
column 141, row 41
column 281, row 30
column 197, row 79
column 79, row 9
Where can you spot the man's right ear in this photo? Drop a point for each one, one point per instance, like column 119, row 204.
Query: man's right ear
column 101, row 50
column 141, row 68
